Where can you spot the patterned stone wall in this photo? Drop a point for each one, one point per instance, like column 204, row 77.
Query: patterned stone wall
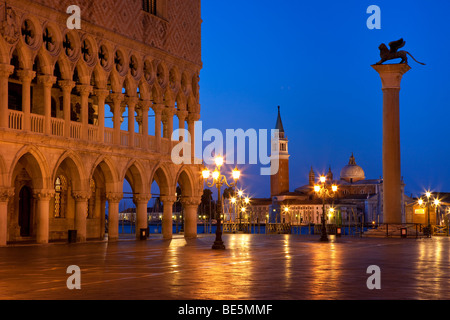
column 179, row 33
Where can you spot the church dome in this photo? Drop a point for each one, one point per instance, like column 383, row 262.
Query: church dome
column 352, row 172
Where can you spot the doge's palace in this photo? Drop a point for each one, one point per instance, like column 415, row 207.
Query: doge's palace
column 83, row 110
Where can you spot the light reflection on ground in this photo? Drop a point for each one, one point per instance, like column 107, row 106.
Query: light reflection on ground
column 255, row 267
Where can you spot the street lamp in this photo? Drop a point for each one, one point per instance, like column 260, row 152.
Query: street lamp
column 219, row 180
column 323, row 192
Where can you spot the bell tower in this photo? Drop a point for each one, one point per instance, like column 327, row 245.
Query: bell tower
column 279, row 182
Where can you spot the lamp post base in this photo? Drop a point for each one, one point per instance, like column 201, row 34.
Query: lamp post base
column 218, row 245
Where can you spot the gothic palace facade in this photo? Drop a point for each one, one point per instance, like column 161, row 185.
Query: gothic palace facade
column 62, row 161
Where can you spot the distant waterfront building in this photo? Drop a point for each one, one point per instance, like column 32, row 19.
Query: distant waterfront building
column 358, row 199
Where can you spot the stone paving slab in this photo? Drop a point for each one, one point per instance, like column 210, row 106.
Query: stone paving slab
column 253, row 267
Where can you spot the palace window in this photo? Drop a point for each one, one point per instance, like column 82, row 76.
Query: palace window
column 149, row 6
column 60, row 196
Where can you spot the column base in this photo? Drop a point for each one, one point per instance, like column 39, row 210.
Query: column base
column 218, row 245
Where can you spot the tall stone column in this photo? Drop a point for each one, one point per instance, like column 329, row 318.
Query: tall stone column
column 117, row 115
column 391, row 76
column 43, row 214
column 5, row 195
column 190, row 206
column 5, row 71
column 81, row 210
column 141, row 201
column 85, row 90
column 113, row 215
column 101, row 95
column 167, row 118
column 47, row 83
column 26, row 76
column 66, row 87
column 158, row 109
column 167, row 221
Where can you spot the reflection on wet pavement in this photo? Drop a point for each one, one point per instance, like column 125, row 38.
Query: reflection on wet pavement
column 253, row 267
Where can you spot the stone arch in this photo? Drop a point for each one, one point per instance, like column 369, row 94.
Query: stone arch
column 108, row 170
column 100, row 77
column 72, row 163
column 35, row 163
column 25, row 56
column 42, row 64
column 134, row 173
column 4, row 51
column 65, row 67
column 185, row 180
column 161, row 175
column 144, row 90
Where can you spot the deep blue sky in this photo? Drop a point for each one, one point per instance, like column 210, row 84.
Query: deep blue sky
column 313, row 58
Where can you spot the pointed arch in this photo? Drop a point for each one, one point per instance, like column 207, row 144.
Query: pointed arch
column 161, row 175
column 106, row 167
column 134, row 173
column 71, row 162
column 35, row 162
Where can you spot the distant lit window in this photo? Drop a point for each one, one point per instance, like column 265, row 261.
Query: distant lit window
column 149, row 6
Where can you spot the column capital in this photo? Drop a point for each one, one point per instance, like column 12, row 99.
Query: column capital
column 47, row 80
column 6, row 70
column 44, row 194
column 168, row 199
column 84, row 89
column 142, row 197
column 191, row 201
column 158, row 107
column 193, row 117
column 66, row 85
column 81, row 196
column 114, row 197
column 182, row 114
column 132, row 100
column 145, row 105
column 117, row 97
column 26, row 75
column 101, row 93
column 6, row 194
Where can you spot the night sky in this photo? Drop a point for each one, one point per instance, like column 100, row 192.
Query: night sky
column 313, row 58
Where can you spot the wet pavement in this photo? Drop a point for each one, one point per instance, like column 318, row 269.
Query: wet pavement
column 253, row 267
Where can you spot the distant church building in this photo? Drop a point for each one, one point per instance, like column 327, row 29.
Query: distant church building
column 358, row 199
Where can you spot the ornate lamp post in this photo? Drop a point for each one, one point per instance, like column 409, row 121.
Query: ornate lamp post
column 426, row 204
column 219, row 180
column 323, row 192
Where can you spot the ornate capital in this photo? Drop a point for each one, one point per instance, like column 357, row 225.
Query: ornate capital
column 26, row 75
column 158, row 108
column 101, row 93
column 44, row 195
column 191, row 201
column 114, row 196
column 47, row 80
column 6, row 194
column 66, row 85
column 6, row 70
column 117, row 97
column 169, row 111
column 84, row 89
column 81, row 195
column 193, row 117
column 182, row 114
column 145, row 105
column 168, row 199
column 132, row 101
column 142, row 197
